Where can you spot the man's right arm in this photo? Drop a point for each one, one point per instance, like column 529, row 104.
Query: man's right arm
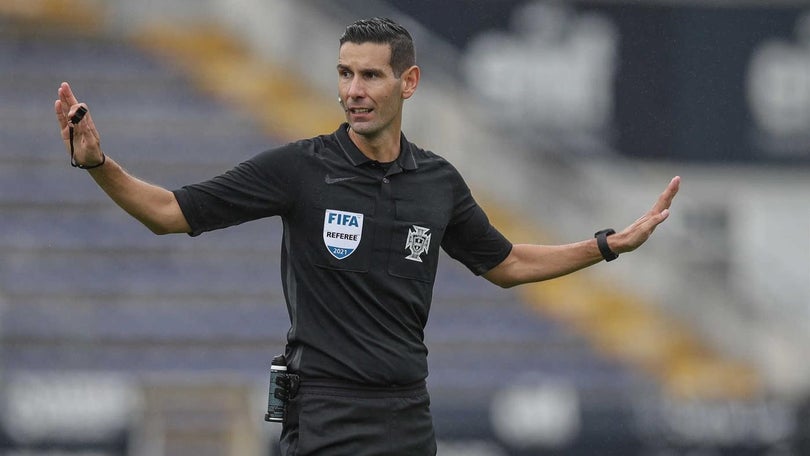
column 154, row 206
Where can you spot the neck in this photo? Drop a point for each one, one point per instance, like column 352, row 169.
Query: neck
column 383, row 148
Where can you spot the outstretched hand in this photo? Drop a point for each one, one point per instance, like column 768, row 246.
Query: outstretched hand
column 86, row 140
column 639, row 231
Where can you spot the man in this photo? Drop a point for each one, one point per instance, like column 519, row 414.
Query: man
column 364, row 213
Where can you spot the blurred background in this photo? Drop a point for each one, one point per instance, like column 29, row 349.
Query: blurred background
column 565, row 117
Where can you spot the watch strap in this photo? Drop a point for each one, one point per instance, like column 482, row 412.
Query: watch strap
column 604, row 248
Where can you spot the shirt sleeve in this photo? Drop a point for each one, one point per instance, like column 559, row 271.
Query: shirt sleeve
column 470, row 238
column 262, row 186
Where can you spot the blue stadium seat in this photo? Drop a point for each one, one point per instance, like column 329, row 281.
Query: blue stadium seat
column 87, row 287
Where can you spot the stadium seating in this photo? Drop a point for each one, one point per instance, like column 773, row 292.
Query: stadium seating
column 86, row 288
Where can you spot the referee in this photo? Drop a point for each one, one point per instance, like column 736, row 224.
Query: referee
column 365, row 212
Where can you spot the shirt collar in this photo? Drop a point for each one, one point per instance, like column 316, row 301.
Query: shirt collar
column 406, row 159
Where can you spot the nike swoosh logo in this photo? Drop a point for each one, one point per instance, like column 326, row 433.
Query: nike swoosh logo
column 335, row 180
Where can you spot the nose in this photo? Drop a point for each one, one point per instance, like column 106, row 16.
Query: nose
column 355, row 88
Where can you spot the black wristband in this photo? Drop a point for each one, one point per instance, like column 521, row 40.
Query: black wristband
column 80, row 166
column 604, row 248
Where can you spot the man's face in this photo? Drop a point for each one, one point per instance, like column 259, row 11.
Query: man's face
column 372, row 95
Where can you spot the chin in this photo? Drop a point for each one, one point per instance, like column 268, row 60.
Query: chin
column 364, row 128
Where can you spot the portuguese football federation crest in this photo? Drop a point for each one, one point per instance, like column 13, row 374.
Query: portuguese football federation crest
column 418, row 242
column 342, row 232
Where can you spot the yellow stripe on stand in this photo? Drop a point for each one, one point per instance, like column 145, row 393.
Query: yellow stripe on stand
column 284, row 105
column 622, row 326
column 617, row 323
column 71, row 17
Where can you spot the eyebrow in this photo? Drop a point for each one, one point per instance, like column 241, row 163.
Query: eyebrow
column 378, row 71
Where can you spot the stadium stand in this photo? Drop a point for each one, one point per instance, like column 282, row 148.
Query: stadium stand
column 87, row 290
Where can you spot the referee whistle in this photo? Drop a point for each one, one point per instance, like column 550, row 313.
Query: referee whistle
column 78, row 115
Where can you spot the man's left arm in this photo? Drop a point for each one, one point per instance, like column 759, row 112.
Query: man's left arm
column 534, row 263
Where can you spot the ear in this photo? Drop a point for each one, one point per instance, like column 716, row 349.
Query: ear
column 409, row 81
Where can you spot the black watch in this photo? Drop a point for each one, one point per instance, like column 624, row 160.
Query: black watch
column 601, row 242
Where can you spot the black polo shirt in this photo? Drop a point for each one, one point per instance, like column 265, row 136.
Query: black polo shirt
column 360, row 247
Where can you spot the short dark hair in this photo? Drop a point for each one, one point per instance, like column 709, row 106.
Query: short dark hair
column 384, row 31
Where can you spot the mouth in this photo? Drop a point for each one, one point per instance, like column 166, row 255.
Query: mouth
column 359, row 111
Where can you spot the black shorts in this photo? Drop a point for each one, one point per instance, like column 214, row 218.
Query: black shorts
column 333, row 419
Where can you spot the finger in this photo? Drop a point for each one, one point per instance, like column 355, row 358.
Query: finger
column 61, row 117
column 69, row 103
column 665, row 199
column 66, row 94
column 657, row 219
column 89, row 125
column 64, row 103
column 674, row 185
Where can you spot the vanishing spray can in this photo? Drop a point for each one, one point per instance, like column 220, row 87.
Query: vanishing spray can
column 275, row 405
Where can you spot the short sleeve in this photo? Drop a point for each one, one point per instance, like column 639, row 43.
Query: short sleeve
column 470, row 238
column 262, row 186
